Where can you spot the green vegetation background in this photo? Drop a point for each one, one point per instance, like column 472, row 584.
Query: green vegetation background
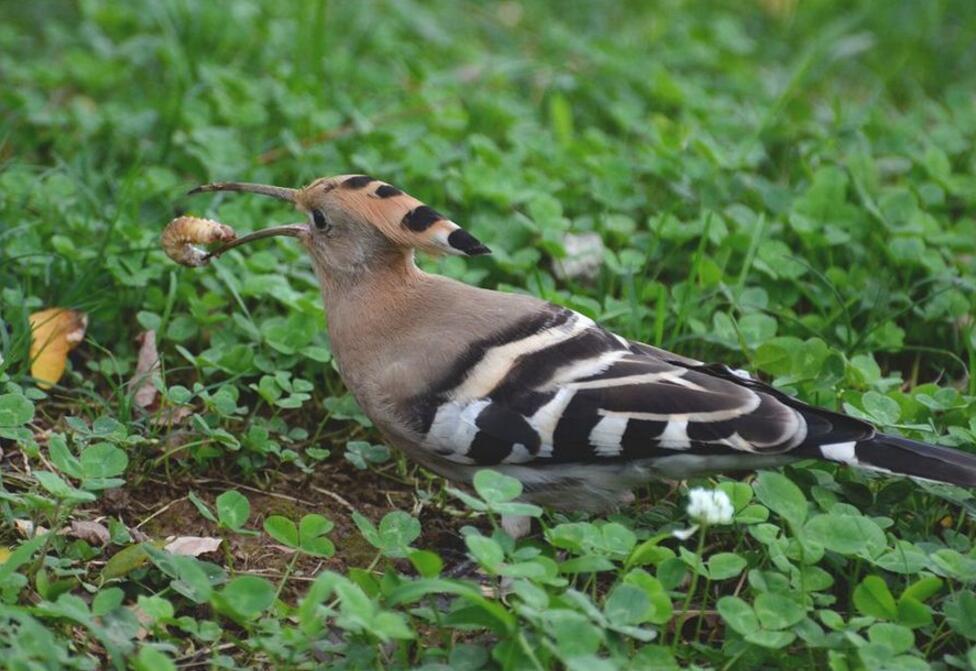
column 786, row 186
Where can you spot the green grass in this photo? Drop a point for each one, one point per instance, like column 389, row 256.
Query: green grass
column 785, row 186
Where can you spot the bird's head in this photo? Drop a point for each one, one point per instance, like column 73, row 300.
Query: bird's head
column 355, row 221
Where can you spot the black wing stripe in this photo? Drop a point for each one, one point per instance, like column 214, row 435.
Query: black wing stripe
column 571, row 438
column 505, row 429
column 640, row 438
column 707, row 432
column 528, row 402
column 488, row 450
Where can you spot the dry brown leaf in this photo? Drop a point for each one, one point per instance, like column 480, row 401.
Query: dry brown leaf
column 183, row 232
column 137, row 535
column 147, row 363
column 172, row 415
column 192, row 546
column 27, row 529
column 94, row 533
column 54, row 333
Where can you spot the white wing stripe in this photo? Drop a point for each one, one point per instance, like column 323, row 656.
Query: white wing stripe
column 843, row 452
column 519, row 455
column 607, row 434
column 454, row 426
column 674, row 377
column 547, row 417
column 565, row 375
column 675, row 435
column 497, row 361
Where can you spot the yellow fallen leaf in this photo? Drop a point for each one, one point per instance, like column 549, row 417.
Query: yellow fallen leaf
column 180, row 235
column 4, row 554
column 54, row 333
column 125, row 561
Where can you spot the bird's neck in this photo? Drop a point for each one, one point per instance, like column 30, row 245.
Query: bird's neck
column 374, row 286
column 363, row 308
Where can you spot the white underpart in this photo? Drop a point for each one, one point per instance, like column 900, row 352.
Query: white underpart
column 497, row 361
column 675, row 435
column 606, row 435
column 546, row 418
column 842, row 452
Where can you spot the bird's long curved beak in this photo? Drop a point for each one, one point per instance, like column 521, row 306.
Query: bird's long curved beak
column 299, row 231
column 279, row 192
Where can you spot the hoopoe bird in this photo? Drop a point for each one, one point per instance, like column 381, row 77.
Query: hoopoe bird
column 462, row 378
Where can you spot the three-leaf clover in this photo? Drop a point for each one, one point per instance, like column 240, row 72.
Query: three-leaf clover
column 308, row 536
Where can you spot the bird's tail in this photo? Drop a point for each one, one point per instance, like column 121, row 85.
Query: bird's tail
column 901, row 456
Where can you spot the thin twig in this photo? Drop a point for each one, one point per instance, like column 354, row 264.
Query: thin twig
column 248, row 488
column 277, row 574
column 335, row 496
column 186, row 660
column 162, row 510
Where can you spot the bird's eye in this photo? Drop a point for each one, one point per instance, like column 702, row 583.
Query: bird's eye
column 320, row 221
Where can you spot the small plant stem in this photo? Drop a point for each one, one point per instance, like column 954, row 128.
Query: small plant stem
column 228, row 554
column 42, row 551
column 691, row 588
column 524, row 644
column 372, row 564
column 288, row 571
column 933, row 638
column 735, row 659
column 702, row 607
column 179, row 448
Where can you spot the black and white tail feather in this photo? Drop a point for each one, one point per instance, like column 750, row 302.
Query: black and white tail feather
column 581, row 415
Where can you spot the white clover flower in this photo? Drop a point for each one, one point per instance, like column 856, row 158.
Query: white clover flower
column 584, row 256
column 710, row 506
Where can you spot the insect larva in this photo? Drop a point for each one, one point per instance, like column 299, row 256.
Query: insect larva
column 183, row 232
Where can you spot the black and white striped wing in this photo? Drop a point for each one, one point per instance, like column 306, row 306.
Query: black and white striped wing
column 557, row 388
